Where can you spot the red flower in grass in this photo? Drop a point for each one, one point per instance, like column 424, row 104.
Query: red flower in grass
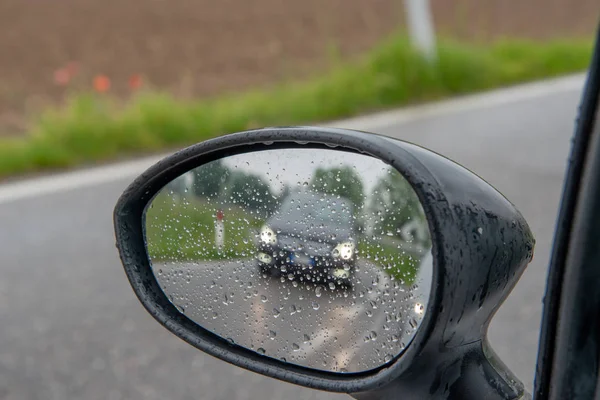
column 101, row 83
column 135, row 82
column 62, row 77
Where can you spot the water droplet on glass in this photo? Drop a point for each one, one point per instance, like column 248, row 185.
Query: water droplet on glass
column 315, row 305
column 261, row 350
column 295, row 347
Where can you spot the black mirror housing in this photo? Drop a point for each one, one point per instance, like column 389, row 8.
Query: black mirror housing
column 481, row 245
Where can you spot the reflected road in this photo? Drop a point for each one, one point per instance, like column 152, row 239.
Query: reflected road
column 303, row 323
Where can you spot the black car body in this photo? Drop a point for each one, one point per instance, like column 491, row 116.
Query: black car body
column 312, row 237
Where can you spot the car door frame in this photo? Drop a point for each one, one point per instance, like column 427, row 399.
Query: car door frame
column 568, row 361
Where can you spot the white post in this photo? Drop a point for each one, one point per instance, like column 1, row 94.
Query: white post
column 189, row 183
column 219, row 230
column 420, row 27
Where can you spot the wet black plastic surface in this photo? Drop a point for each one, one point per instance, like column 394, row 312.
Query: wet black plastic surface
column 562, row 366
column 481, row 245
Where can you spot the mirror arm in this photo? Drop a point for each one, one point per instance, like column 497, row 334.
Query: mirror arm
column 448, row 357
column 469, row 372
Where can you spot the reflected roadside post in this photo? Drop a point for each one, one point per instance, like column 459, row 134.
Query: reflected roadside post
column 219, row 230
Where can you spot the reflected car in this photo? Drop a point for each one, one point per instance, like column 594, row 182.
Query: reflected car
column 311, row 238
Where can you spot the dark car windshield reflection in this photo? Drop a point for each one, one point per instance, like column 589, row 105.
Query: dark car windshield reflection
column 311, row 238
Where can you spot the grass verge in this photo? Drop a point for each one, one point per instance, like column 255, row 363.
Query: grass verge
column 184, row 231
column 91, row 128
column 402, row 266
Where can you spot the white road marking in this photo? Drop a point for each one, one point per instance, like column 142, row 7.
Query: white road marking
column 316, row 341
column 37, row 187
column 480, row 101
column 351, row 313
column 344, row 357
column 323, row 337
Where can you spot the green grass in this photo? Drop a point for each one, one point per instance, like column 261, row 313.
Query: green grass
column 185, row 231
column 92, row 128
column 402, row 266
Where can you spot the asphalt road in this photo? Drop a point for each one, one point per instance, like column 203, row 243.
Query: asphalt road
column 70, row 327
column 301, row 322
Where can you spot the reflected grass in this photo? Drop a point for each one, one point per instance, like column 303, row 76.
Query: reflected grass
column 399, row 264
column 183, row 230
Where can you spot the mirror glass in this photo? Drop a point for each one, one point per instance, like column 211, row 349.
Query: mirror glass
column 318, row 257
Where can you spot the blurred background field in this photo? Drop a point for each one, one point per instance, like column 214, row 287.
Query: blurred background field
column 67, row 66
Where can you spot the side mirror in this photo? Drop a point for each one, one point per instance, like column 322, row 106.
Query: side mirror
column 255, row 261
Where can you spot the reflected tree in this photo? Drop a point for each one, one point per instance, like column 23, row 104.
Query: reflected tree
column 217, row 183
column 210, row 179
column 343, row 182
column 285, row 192
column 181, row 186
column 396, row 209
column 251, row 192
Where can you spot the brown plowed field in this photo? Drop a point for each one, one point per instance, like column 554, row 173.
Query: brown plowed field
column 203, row 47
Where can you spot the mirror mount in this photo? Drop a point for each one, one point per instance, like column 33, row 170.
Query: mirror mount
column 468, row 372
column 480, row 246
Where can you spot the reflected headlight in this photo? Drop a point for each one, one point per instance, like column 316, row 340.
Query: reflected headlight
column 340, row 273
column 267, row 235
column 264, row 258
column 419, row 308
column 345, row 250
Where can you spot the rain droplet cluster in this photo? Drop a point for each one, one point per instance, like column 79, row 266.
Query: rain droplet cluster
column 309, row 256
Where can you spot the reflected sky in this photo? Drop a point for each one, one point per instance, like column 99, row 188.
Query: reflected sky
column 296, row 166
